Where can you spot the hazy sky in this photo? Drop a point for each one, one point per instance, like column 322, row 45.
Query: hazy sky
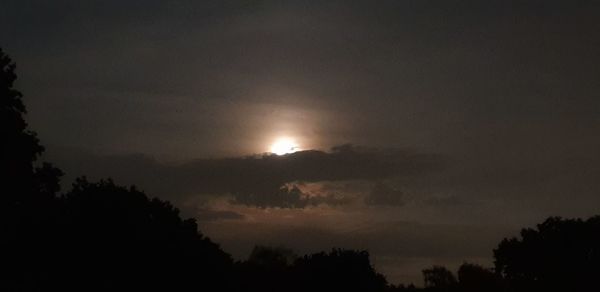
column 469, row 119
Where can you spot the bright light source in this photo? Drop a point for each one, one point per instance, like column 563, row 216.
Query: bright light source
column 284, row 146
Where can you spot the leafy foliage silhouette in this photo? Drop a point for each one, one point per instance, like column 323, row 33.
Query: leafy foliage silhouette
column 473, row 278
column 122, row 234
column 559, row 255
column 337, row 270
column 98, row 236
column 23, row 183
column 439, row 278
column 28, row 196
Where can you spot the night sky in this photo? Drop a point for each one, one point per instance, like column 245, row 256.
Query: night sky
column 427, row 130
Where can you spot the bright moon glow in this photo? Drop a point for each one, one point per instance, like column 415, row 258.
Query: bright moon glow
column 284, row 146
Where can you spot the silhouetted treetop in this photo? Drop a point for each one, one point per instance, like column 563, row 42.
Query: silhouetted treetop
column 474, row 278
column 20, row 147
column 120, row 233
column 439, row 278
column 558, row 255
column 338, row 270
column 105, row 207
column 272, row 256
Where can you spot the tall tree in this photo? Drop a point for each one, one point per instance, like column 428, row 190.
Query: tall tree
column 28, row 203
column 22, row 182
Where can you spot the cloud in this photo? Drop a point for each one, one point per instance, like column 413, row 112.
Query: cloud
column 262, row 180
column 383, row 194
column 206, row 214
column 445, row 200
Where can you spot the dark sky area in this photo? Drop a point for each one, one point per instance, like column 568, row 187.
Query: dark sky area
column 431, row 129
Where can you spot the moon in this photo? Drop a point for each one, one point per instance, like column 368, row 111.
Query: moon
column 283, row 146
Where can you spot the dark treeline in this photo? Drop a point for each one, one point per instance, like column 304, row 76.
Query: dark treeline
column 99, row 236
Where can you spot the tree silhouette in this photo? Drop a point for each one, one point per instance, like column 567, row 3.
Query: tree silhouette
column 559, row 255
column 97, row 237
column 28, row 195
column 22, row 182
column 121, row 238
column 267, row 269
column 338, row 270
column 474, row 278
column 439, row 278
column 269, row 256
column 274, row 269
